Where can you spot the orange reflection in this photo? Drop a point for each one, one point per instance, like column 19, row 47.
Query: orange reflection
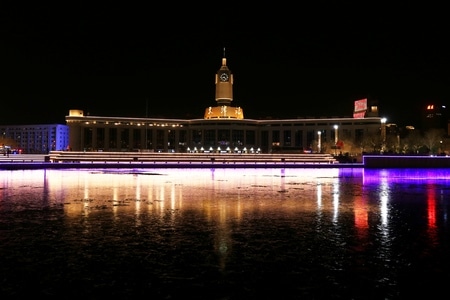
column 361, row 220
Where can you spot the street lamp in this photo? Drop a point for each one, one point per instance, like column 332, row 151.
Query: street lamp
column 335, row 138
column 319, row 134
column 383, row 134
column 335, row 133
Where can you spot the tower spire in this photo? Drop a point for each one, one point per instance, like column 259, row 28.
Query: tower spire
column 224, row 59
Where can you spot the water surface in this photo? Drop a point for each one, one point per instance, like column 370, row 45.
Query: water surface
column 224, row 233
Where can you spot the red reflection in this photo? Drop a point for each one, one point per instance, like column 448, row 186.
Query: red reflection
column 431, row 207
column 431, row 215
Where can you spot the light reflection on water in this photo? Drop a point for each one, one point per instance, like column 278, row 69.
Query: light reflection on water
column 344, row 232
column 167, row 188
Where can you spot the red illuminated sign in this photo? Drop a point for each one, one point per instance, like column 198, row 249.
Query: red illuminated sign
column 359, row 115
column 361, row 105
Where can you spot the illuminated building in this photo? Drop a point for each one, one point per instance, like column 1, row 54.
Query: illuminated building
column 223, row 128
column 435, row 116
column 38, row 139
column 224, row 96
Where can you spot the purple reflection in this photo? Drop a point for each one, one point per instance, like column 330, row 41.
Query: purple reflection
column 406, row 175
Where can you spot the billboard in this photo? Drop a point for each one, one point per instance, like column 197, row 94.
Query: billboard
column 361, row 105
column 360, row 108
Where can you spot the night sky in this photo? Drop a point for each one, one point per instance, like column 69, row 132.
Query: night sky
column 161, row 61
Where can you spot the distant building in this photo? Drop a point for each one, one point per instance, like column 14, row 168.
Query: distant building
column 435, row 116
column 39, row 139
column 222, row 129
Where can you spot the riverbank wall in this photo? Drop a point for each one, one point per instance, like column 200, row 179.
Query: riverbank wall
column 158, row 160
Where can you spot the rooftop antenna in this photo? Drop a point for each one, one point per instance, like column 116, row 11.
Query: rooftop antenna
column 224, row 60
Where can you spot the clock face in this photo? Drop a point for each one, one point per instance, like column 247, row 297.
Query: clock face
column 223, row 77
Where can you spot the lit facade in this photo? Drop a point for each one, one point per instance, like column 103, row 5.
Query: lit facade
column 223, row 128
column 224, row 96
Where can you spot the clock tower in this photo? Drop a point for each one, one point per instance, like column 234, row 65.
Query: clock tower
column 224, row 96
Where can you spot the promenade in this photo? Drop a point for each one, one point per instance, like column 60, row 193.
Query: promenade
column 17, row 158
column 79, row 160
column 72, row 159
